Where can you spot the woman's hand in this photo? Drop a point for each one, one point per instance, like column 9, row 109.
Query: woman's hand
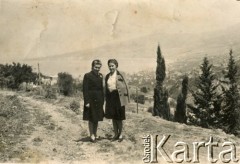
column 87, row 105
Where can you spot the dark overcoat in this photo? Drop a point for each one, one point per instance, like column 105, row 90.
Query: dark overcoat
column 93, row 94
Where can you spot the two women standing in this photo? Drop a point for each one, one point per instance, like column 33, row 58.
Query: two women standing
column 116, row 93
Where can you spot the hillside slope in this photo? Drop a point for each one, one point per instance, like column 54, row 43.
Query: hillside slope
column 53, row 133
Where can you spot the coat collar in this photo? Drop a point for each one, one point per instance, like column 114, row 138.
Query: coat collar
column 118, row 73
column 95, row 74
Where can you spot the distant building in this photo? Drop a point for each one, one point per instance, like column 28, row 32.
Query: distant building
column 48, row 80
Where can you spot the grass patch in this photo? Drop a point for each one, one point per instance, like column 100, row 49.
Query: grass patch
column 14, row 119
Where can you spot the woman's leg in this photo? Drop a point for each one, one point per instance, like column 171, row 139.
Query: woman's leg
column 95, row 126
column 120, row 127
column 115, row 128
column 91, row 130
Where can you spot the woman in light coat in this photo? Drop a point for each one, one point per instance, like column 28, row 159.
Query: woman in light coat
column 117, row 97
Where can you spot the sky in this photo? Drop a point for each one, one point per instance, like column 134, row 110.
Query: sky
column 36, row 29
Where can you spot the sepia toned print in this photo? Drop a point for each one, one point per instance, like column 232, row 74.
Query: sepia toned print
column 179, row 74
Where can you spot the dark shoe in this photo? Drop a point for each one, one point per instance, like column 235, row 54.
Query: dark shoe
column 93, row 140
column 115, row 138
column 120, row 139
column 98, row 138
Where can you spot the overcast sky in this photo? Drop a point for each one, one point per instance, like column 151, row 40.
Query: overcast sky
column 42, row 28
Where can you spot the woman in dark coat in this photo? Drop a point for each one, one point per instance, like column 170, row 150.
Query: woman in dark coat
column 117, row 96
column 93, row 98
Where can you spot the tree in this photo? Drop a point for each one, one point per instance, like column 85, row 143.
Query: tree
column 180, row 114
column 22, row 73
column 3, row 81
column 231, row 69
column 77, row 85
column 230, row 112
column 65, row 83
column 161, row 69
column 161, row 107
column 15, row 74
column 205, row 97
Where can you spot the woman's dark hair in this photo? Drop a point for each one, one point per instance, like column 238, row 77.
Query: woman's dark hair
column 95, row 62
column 114, row 61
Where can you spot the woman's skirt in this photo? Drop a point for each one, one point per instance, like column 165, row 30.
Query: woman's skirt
column 113, row 108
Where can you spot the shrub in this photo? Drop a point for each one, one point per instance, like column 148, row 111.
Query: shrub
column 50, row 93
column 39, row 91
column 75, row 106
column 65, row 83
column 150, row 109
column 140, row 99
column 144, row 89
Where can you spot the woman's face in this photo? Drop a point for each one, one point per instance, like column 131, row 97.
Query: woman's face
column 112, row 67
column 96, row 68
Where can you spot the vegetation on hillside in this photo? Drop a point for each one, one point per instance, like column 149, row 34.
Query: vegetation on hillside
column 205, row 111
column 213, row 100
column 161, row 107
column 12, row 75
column 207, row 96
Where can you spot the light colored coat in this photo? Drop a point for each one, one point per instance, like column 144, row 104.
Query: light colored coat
column 122, row 88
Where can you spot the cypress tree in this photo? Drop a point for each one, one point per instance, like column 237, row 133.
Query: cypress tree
column 161, row 107
column 161, row 69
column 180, row 114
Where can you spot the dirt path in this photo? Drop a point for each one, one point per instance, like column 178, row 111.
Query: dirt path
column 60, row 135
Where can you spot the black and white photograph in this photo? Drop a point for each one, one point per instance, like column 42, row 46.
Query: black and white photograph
column 120, row 81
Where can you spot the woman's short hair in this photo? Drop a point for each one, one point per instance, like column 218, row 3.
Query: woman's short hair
column 96, row 62
column 114, row 61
